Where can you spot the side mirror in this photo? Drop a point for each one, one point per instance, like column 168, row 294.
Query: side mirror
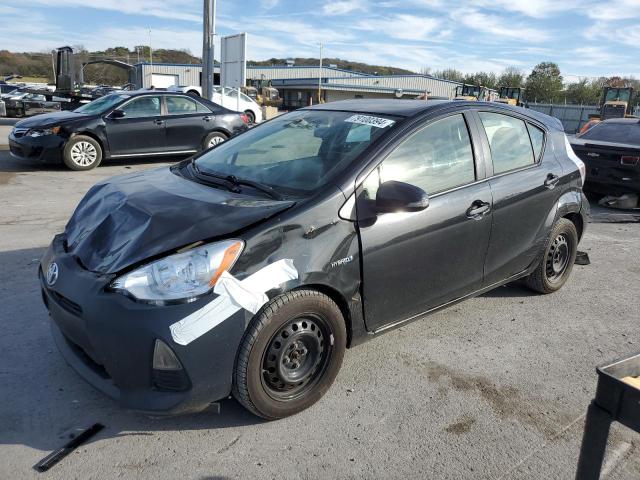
column 117, row 113
column 395, row 196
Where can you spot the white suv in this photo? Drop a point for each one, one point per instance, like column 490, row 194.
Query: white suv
column 228, row 98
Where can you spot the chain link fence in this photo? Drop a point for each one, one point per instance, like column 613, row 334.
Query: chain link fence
column 573, row 117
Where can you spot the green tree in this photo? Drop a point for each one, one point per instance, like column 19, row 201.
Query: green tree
column 511, row 77
column 489, row 80
column 583, row 92
column 544, row 83
column 450, row 74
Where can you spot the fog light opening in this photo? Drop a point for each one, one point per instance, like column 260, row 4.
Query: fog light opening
column 164, row 358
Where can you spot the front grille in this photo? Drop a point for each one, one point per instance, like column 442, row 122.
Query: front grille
column 613, row 111
column 86, row 358
column 65, row 303
column 20, row 132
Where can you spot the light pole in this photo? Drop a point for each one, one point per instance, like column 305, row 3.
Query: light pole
column 208, row 48
column 320, row 77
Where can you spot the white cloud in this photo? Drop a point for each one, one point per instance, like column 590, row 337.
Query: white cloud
column 342, row 7
column 403, row 26
column 615, row 10
column 530, row 8
column 498, row 27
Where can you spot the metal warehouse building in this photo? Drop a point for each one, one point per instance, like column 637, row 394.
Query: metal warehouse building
column 298, row 85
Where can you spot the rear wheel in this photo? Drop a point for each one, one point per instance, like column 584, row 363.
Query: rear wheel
column 250, row 115
column 557, row 259
column 193, row 93
column 82, row 153
column 290, row 354
column 213, row 139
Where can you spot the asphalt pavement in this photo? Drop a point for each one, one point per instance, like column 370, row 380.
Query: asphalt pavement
column 493, row 388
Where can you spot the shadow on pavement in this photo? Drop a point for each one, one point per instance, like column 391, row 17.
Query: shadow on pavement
column 43, row 399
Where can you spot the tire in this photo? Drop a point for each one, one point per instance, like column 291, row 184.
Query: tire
column 289, row 340
column 557, row 259
column 193, row 93
column 251, row 116
column 213, row 139
column 82, row 153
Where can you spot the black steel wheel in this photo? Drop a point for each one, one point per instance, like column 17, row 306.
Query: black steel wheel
column 290, row 354
column 556, row 262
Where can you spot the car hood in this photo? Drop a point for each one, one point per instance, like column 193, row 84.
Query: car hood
column 51, row 119
column 127, row 219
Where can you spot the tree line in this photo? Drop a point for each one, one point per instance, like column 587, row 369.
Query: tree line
column 545, row 83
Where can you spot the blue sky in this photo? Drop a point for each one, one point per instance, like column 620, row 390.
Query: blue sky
column 585, row 37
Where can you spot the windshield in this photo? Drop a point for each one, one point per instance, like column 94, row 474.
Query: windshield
column 102, row 104
column 297, row 152
column 628, row 133
column 618, row 94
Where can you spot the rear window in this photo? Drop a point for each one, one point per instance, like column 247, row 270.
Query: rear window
column 614, row 132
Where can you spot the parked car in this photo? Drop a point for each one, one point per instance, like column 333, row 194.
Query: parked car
column 249, row 268
column 25, row 104
column 3, row 109
column 611, row 152
column 228, row 98
column 128, row 124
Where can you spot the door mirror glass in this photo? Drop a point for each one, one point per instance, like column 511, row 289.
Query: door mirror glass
column 117, row 113
column 395, row 196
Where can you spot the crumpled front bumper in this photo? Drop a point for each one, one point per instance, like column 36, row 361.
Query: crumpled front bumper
column 109, row 340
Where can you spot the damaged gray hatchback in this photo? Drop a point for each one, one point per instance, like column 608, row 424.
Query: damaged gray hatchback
column 250, row 268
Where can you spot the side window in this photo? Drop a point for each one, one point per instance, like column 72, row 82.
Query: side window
column 509, row 142
column 146, row 106
column 184, row 105
column 436, row 158
column 537, row 140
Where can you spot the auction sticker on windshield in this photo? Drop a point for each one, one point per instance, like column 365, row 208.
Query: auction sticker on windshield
column 370, row 120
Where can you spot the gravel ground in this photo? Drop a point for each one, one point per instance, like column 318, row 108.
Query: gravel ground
column 495, row 387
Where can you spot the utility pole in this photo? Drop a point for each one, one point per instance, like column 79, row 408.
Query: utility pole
column 320, row 77
column 150, row 49
column 208, row 48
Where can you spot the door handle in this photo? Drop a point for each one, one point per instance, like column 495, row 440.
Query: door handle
column 206, row 119
column 551, row 181
column 478, row 209
column 158, row 122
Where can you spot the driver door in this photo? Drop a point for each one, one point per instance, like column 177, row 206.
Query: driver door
column 415, row 262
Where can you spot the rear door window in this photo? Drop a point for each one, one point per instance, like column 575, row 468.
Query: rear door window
column 436, row 158
column 509, row 142
column 180, row 105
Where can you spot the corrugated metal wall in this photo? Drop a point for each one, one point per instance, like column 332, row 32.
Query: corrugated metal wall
column 415, row 83
column 187, row 74
column 573, row 117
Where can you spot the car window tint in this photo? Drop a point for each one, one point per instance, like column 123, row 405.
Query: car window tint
column 184, row 105
column 436, row 158
column 614, row 132
column 509, row 142
column 537, row 140
column 146, row 106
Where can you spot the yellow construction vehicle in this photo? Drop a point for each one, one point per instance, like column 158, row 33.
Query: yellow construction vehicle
column 475, row 93
column 263, row 93
column 511, row 96
column 614, row 103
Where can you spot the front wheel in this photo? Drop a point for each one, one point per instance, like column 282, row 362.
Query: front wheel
column 290, row 354
column 557, row 259
column 82, row 153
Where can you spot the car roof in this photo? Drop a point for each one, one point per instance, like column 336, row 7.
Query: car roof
column 144, row 91
column 410, row 108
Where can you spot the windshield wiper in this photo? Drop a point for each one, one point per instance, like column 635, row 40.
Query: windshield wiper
column 235, row 182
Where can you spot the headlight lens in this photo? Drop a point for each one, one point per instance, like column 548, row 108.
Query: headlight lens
column 43, row 131
column 182, row 275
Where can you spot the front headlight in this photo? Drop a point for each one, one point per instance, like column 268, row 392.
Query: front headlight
column 41, row 132
column 181, row 276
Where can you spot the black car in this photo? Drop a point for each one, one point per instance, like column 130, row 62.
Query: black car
column 27, row 104
column 611, row 153
column 125, row 124
column 248, row 269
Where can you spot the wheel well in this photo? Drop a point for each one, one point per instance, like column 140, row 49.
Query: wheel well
column 576, row 219
column 193, row 92
column 95, row 137
column 337, row 297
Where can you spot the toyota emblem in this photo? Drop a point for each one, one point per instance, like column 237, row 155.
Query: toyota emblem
column 52, row 274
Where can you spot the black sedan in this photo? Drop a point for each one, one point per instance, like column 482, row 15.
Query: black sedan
column 125, row 124
column 250, row 268
column 611, row 153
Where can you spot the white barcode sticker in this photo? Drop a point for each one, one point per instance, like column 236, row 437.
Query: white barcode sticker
column 369, row 120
